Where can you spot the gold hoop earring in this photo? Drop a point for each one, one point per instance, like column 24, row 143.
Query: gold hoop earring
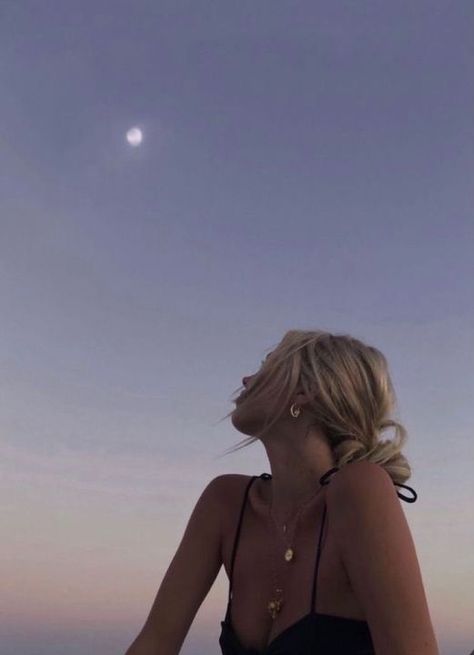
column 296, row 411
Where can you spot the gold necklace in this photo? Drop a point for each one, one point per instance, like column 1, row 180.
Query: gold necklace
column 275, row 604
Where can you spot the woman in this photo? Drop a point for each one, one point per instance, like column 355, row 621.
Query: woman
column 319, row 554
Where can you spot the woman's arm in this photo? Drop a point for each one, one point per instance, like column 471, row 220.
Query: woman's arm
column 188, row 579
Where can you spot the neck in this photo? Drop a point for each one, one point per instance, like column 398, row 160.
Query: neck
column 295, row 475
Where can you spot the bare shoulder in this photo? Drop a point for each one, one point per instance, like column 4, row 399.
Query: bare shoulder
column 226, row 489
column 220, row 491
column 363, row 478
column 229, row 481
column 230, row 490
column 379, row 555
column 232, row 481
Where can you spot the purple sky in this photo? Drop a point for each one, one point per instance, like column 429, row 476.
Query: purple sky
column 304, row 165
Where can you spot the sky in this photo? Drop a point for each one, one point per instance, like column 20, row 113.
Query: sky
column 304, row 165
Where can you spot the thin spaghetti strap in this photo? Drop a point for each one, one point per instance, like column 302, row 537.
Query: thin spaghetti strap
column 318, row 557
column 323, row 480
column 236, row 539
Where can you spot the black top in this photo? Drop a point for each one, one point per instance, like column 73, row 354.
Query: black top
column 314, row 633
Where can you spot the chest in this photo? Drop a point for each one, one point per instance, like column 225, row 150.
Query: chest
column 260, row 567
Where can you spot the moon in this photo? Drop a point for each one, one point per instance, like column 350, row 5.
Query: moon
column 134, row 136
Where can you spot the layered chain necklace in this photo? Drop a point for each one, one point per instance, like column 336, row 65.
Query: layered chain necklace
column 275, row 604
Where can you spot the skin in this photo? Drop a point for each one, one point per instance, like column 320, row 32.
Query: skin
column 298, row 453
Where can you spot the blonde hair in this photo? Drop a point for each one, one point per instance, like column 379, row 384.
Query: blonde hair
column 351, row 396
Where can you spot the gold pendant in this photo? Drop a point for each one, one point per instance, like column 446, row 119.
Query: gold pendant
column 274, row 606
column 289, row 554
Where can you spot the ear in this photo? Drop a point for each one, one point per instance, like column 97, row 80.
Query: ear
column 300, row 398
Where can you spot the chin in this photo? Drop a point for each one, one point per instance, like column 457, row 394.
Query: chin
column 245, row 423
column 238, row 421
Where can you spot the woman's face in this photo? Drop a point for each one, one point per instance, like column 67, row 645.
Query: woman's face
column 249, row 418
column 246, row 380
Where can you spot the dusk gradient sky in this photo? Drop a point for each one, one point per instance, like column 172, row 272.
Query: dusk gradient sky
column 304, row 165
